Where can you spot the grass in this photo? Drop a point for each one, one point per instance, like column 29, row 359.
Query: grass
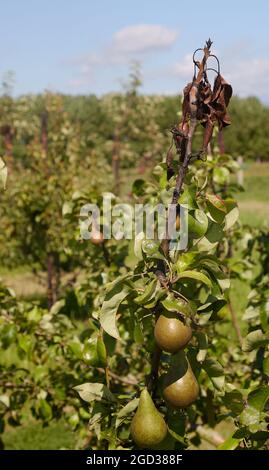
column 253, row 202
column 25, row 283
column 33, row 436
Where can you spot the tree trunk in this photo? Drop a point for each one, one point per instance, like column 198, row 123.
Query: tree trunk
column 116, row 162
column 240, row 173
column 44, row 131
column 144, row 163
column 53, row 279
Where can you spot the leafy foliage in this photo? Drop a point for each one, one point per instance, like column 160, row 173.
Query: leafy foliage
column 88, row 356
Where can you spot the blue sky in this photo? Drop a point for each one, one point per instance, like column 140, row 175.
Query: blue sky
column 85, row 46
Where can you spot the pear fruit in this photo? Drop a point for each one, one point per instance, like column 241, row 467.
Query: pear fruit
column 97, row 237
column 180, row 387
column 148, row 427
column 177, row 222
column 171, row 334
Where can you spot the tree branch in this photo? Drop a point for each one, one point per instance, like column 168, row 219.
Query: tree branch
column 185, row 135
column 118, row 378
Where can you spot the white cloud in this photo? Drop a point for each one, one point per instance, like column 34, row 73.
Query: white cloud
column 143, row 38
column 249, row 77
column 184, row 68
column 131, row 42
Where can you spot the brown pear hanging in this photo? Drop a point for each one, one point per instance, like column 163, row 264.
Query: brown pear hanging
column 180, row 387
column 171, row 334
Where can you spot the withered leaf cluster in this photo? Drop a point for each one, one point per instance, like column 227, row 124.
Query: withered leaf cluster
column 203, row 104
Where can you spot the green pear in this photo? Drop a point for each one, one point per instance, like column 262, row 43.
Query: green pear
column 180, row 387
column 197, row 223
column 171, row 334
column 148, row 427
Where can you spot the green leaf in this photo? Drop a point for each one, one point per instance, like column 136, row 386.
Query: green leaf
column 185, row 260
column 234, row 401
column 172, row 304
column 75, row 347
column 215, row 232
column 165, row 195
column 202, row 345
column 8, row 335
column 264, row 316
column 254, row 340
column 111, row 303
column 188, row 197
column 163, row 180
column 217, row 202
column 147, row 294
column 138, row 245
column 67, row 208
column 76, row 195
column 231, row 443
column 266, row 365
column 73, row 420
column 215, row 372
column 195, row 275
column 223, row 281
column 139, row 187
column 45, row 410
column 231, row 217
column 110, row 344
column 126, row 410
column 57, row 307
column 250, row 417
column 156, row 297
column 221, row 175
column 26, row 342
column 5, row 400
column 101, row 351
column 94, row 391
column 253, row 416
column 205, row 245
column 257, row 398
column 216, row 207
column 138, row 334
column 159, row 170
column 176, row 436
column 215, row 306
column 197, row 224
column 3, row 173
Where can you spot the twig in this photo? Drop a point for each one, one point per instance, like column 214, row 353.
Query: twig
column 118, row 378
column 15, row 385
column 153, row 376
column 107, row 377
column 106, row 254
